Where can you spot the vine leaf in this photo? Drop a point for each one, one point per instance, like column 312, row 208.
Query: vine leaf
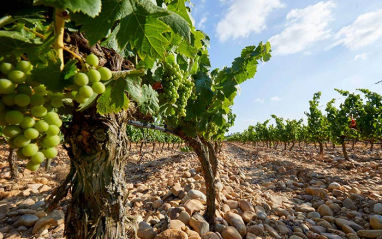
column 52, row 77
column 114, row 99
column 144, row 31
column 150, row 102
column 89, row 7
column 11, row 41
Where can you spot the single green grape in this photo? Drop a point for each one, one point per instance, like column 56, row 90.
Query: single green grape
column 30, row 150
column 92, row 60
column 12, row 131
column 51, row 141
column 38, row 158
column 17, row 76
column 50, row 152
column 14, row 117
column 32, row 166
column 22, row 100
column 105, row 73
column 39, row 111
column 6, row 86
column 85, row 91
column 6, row 67
column 53, row 130
column 81, row 79
column 9, row 99
column 21, row 141
column 93, row 75
column 98, row 87
column 31, row 133
column 41, row 126
column 24, row 66
column 56, row 102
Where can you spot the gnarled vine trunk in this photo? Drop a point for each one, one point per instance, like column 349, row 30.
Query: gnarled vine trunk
column 208, row 160
column 321, row 148
column 98, row 157
column 12, row 163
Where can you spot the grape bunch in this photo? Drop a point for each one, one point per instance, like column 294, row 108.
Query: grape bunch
column 27, row 114
column 177, row 88
column 185, row 90
column 88, row 83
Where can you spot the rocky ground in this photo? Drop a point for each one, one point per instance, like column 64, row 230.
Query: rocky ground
column 263, row 193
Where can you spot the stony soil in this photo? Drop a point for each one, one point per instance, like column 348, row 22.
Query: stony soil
column 263, row 193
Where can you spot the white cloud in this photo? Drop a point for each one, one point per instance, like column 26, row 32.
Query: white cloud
column 304, row 28
column 362, row 56
column 244, row 17
column 202, row 21
column 275, row 98
column 258, row 100
column 365, row 30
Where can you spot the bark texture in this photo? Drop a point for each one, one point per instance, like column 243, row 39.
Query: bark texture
column 97, row 149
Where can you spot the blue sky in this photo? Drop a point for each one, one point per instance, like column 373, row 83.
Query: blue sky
column 316, row 46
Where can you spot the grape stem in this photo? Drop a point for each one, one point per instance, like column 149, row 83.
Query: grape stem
column 59, row 27
column 75, row 55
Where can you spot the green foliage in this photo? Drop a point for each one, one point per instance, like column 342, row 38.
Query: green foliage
column 114, row 99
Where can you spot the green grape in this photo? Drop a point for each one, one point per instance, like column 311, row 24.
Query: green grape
column 38, row 158
column 32, row 166
column 51, row 118
column 51, row 141
column 24, row 89
column 6, row 67
column 85, row 91
column 81, row 79
column 31, row 133
column 17, row 76
column 98, row 87
column 24, row 66
column 12, row 131
column 41, row 126
column 80, row 99
column 39, row 111
column 105, row 73
column 93, row 75
column 50, row 153
column 56, row 102
column 40, row 90
column 92, row 60
column 53, row 130
column 6, row 86
column 20, row 154
column 22, row 100
column 9, row 99
column 21, row 141
column 37, row 100
column 30, row 150
column 14, row 117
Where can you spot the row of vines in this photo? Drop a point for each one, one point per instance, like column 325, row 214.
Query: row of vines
column 358, row 118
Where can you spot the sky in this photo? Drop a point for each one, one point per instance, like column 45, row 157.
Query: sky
column 316, row 46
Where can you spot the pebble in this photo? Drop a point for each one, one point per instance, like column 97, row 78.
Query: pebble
column 348, row 203
column 246, row 206
column 26, row 220
column 236, row 221
column 145, row 231
column 377, row 208
column 369, row 233
column 173, row 234
column 376, row 222
column 258, row 230
column 199, row 224
column 193, row 206
column 231, row 233
column 325, row 210
column 334, row 185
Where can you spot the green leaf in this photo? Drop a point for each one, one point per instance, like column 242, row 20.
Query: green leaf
column 178, row 25
column 133, row 87
column 51, row 75
column 150, row 103
column 11, row 41
column 89, row 7
column 88, row 103
column 114, row 99
column 144, row 31
column 98, row 27
column 179, row 7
